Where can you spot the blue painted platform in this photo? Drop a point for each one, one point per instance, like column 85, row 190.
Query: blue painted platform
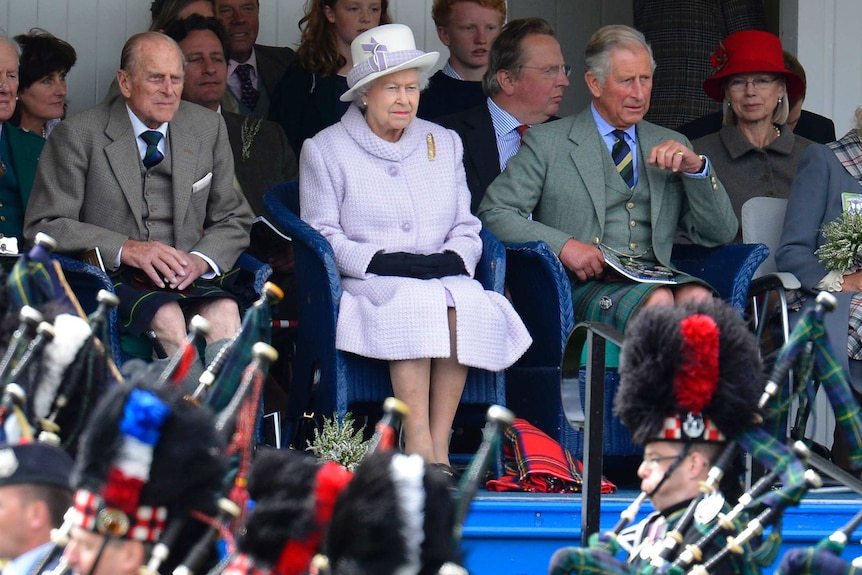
column 516, row 534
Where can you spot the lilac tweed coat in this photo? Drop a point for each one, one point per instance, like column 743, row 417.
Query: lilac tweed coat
column 365, row 195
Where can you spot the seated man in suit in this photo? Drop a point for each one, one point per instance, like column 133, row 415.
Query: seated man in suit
column 803, row 123
column 468, row 28
column 261, row 154
column 148, row 180
column 606, row 182
column 524, row 83
column 254, row 71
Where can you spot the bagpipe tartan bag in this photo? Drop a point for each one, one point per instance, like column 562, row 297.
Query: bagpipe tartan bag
column 534, row 462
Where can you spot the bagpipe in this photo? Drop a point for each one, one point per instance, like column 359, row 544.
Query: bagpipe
column 237, row 383
column 749, row 530
column 284, row 536
column 232, row 387
column 55, row 365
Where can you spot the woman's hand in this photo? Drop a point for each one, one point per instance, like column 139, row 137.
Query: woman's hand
column 852, row 282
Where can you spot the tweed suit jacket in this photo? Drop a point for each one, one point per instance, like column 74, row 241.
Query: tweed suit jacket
column 270, row 161
column 683, row 35
column 558, row 177
column 481, row 156
column 88, row 188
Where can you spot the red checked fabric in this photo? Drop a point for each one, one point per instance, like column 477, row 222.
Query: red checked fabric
column 534, row 462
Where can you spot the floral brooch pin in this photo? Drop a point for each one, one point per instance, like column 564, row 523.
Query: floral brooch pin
column 718, row 60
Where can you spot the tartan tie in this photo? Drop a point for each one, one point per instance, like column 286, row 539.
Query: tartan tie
column 152, row 156
column 522, row 129
column 622, row 155
column 248, row 93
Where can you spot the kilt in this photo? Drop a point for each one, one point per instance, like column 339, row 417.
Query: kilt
column 139, row 302
column 616, row 301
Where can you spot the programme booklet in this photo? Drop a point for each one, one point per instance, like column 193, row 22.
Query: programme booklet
column 639, row 270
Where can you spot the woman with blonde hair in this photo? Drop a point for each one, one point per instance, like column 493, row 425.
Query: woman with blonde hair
column 307, row 98
column 754, row 153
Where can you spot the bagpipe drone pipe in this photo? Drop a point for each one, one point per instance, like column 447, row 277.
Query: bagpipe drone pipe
column 749, row 531
column 55, row 365
column 232, row 387
column 188, row 542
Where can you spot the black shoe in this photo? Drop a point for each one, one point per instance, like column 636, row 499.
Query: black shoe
column 448, row 473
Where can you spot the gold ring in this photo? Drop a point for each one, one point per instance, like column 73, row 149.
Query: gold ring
column 679, row 153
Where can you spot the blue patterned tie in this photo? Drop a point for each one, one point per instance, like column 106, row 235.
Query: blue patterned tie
column 152, row 156
column 248, row 94
column 622, row 155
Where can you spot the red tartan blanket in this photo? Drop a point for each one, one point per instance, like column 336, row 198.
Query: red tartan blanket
column 536, row 463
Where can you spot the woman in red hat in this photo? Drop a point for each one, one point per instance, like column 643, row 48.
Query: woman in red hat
column 754, row 154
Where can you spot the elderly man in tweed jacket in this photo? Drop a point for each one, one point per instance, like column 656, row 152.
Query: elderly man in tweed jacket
column 163, row 229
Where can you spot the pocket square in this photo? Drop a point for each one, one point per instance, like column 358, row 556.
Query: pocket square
column 202, row 183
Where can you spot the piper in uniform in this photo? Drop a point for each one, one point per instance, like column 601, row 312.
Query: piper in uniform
column 34, row 495
column 147, row 462
column 690, row 379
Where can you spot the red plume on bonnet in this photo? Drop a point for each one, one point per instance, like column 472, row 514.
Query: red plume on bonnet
column 697, row 378
column 696, row 364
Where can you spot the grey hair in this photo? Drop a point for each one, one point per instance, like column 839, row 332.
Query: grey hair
column 362, row 91
column 858, row 115
column 131, row 54
column 606, row 40
column 11, row 41
column 779, row 114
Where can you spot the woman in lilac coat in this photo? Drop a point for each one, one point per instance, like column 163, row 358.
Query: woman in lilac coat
column 388, row 191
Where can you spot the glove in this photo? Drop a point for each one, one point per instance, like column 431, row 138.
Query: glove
column 417, row 266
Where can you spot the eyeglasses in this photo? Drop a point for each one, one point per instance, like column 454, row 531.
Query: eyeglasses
column 551, row 71
column 759, row 83
column 654, row 461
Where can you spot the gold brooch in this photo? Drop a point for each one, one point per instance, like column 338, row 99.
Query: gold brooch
column 432, row 150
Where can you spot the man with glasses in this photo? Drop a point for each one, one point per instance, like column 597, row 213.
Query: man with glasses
column 605, row 183
column 690, row 377
column 524, row 83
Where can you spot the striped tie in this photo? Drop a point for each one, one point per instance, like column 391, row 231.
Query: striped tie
column 152, row 156
column 622, row 155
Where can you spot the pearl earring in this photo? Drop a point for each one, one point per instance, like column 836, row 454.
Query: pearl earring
column 780, row 100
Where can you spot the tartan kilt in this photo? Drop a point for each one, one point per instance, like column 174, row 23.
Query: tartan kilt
column 138, row 305
column 616, row 302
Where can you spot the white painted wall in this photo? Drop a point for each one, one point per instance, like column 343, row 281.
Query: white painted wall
column 98, row 28
column 829, row 46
